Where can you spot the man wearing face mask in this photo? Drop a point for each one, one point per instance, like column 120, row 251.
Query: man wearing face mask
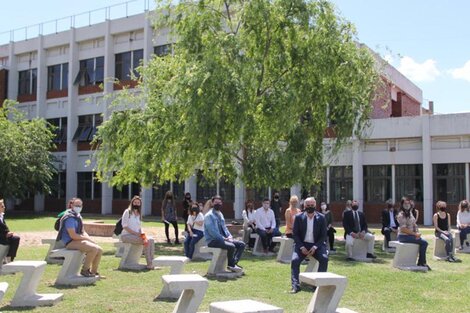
column 355, row 228
column 266, row 226
column 309, row 234
column 74, row 237
column 218, row 236
column 389, row 222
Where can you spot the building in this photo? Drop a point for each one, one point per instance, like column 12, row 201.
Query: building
column 58, row 75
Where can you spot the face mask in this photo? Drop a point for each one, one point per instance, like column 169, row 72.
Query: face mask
column 355, row 207
column 390, row 206
column 276, row 198
column 217, row 207
column 77, row 209
column 443, row 209
column 407, row 206
column 188, row 197
column 323, row 207
column 136, row 207
column 310, row 209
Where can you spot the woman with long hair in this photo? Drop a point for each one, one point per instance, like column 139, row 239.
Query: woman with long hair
column 463, row 222
column 408, row 231
column 330, row 231
column 195, row 230
column 249, row 225
column 132, row 231
column 290, row 214
column 169, row 216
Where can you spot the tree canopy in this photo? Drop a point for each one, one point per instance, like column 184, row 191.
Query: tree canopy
column 248, row 91
column 25, row 160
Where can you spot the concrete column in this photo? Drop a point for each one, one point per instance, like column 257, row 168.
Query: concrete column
column 427, row 171
column 41, row 79
column 467, row 181
column 394, row 192
column 190, row 185
column 358, row 174
column 240, row 198
column 148, row 40
column 109, row 60
column 72, row 119
column 39, row 202
column 296, row 190
column 106, row 199
column 328, row 185
column 146, row 201
column 12, row 73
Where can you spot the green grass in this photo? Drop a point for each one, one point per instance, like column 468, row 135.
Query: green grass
column 372, row 287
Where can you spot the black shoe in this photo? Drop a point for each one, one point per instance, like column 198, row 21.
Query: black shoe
column 350, row 259
column 450, row 259
column 371, row 256
column 425, row 265
column 168, row 241
column 333, row 249
column 177, row 242
column 294, row 290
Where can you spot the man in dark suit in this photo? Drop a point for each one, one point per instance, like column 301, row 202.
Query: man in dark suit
column 389, row 222
column 6, row 236
column 309, row 234
column 355, row 228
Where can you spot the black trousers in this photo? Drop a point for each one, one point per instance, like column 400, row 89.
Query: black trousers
column 13, row 242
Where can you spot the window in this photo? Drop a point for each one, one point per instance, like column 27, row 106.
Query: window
column 226, row 190
column 127, row 63
column 162, row 50
column 87, row 127
column 318, row 191
column 377, row 183
column 449, row 182
column 176, row 187
column 91, row 72
column 126, row 192
column 87, row 186
column 60, row 129
column 58, row 185
column 27, row 82
column 409, row 181
column 341, row 183
column 57, row 77
column 205, row 190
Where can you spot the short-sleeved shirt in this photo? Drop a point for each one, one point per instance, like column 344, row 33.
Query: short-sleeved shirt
column 131, row 221
column 70, row 222
column 193, row 219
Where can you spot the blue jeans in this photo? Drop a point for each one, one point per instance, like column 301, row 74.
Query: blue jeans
column 234, row 249
column 423, row 245
column 267, row 239
column 190, row 242
column 320, row 255
column 463, row 234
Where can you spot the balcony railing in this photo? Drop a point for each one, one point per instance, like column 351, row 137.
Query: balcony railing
column 88, row 18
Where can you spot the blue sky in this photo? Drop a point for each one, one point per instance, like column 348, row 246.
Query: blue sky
column 427, row 40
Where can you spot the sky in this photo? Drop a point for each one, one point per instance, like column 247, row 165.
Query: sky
column 426, row 40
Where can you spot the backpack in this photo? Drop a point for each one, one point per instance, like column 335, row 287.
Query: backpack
column 118, row 227
column 57, row 224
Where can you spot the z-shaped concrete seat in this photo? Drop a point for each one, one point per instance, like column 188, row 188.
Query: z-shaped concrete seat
column 53, row 245
column 284, row 255
column 191, row 288
column 197, row 255
column 25, row 294
column 176, row 264
column 243, row 306
column 69, row 273
column 218, row 264
column 406, row 255
column 3, row 253
column 3, row 289
column 131, row 256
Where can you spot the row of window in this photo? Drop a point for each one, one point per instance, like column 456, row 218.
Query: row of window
column 86, row 129
column 91, row 71
column 449, row 185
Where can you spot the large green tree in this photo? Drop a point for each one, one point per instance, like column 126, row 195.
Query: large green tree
column 249, row 89
column 25, row 160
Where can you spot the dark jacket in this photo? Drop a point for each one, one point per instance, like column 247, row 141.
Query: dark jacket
column 348, row 222
column 386, row 218
column 4, row 230
column 300, row 229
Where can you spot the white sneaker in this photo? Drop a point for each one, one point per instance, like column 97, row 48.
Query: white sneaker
column 235, row 269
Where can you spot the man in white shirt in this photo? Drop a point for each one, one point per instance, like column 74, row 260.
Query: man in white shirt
column 266, row 226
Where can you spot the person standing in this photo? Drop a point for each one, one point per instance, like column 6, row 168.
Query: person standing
column 6, row 236
column 389, row 222
column 186, row 209
column 309, row 235
column 218, row 236
column 169, row 216
column 266, row 226
column 74, row 237
column 276, row 206
column 355, row 228
column 132, row 230
column 330, row 231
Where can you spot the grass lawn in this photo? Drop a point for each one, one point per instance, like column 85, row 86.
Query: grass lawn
column 372, row 287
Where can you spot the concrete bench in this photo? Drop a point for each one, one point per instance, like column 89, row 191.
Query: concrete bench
column 439, row 251
column 258, row 246
column 69, row 273
column 359, row 251
column 284, row 255
column 176, row 264
column 119, row 249
column 393, row 237
column 3, row 289
column 218, row 264
column 191, row 288
column 25, row 295
column 131, row 256
column 312, row 265
column 198, row 255
column 466, row 243
column 243, row 306
column 406, row 255
column 53, row 245
column 3, row 253
column 330, row 289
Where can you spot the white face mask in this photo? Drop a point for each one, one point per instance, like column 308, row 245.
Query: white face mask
column 323, row 207
column 77, row 209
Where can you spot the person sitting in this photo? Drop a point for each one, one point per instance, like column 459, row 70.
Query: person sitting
column 290, row 214
column 355, row 228
column 266, row 226
column 329, row 225
column 7, row 237
column 463, row 222
column 441, row 220
column 132, row 230
column 249, row 223
column 74, row 237
column 389, row 222
column 195, row 230
column 309, row 233
column 408, row 231
column 218, row 236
